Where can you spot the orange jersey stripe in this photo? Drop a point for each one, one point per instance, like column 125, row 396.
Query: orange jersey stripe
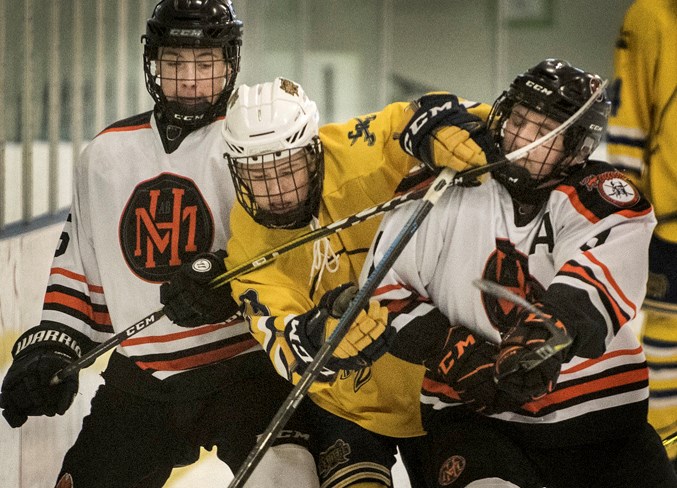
column 199, row 359
column 580, row 271
column 59, row 298
column 135, row 341
column 566, row 394
column 125, row 129
column 440, row 388
column 611, row 280
column 385, row 289
column 604, row 357
column 76, row 277
column 571, row 193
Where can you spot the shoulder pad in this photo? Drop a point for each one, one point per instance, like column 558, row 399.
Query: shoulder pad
column 138, row 120
column 598, row 190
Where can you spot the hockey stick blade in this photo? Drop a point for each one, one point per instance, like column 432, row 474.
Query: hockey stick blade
column 556, row 343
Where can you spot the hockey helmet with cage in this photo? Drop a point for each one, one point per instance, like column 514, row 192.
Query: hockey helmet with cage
column 274, row 153
column 192, row 24
column 556, row 89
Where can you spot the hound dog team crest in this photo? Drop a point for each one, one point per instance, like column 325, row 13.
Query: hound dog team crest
column 614, row 188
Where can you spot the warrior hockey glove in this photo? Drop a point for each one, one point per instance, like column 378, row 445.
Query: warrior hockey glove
column 368, row 338
column 442, row 133
column 39, row 354
column 531, row 355
column 188, row 298
column 463, row 371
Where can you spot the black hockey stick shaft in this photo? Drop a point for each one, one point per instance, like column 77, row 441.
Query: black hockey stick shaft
column 671, row 439
column 89, row 358
column 357, row 304
column 667, row 218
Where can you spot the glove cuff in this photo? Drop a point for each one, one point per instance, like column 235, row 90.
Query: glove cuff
column 431, row 110
column 55, row 337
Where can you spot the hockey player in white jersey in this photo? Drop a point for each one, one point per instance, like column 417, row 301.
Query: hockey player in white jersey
column 149, row 196
column 568, row 234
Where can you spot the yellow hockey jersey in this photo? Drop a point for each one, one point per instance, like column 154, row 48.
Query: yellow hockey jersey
column 363, row 166
column 642, row 134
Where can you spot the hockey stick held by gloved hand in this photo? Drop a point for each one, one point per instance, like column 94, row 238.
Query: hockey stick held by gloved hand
column 531, row 352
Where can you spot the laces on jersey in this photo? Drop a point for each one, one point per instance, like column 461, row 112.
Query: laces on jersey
column 324, row 256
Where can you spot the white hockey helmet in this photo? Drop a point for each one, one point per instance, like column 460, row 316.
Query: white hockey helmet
column 269, row 117
column 265, row 127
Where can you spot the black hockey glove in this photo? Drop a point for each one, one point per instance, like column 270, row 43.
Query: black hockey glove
column 442, row 133
column 188, row 298
column 39, row 354
column 368, row 338
column 531, row 355
column 463, row 371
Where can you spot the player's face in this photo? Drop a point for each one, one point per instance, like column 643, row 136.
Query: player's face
column 192, row 76
column 280, row 184
column 524, row 126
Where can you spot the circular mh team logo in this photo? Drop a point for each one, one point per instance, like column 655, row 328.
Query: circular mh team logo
column 165, row 223
column 450, row 470
column 509, row 268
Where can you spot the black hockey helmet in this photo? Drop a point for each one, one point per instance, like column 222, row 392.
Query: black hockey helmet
column 192, row 24
column 556, row 89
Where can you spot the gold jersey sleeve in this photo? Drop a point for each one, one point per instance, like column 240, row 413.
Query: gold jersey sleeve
column 642, row 134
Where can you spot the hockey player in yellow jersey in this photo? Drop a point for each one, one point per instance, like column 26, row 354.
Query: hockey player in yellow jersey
column 642, row 140
column 291, row 175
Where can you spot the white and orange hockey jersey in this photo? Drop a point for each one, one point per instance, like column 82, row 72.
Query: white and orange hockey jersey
column 585, row 252
column 137, row 214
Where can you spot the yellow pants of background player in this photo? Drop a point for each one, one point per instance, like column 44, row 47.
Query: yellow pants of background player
column 660, row 345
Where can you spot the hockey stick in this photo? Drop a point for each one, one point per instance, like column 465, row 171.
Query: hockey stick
column 263, row 260
column 670, row 440
column 438, row 187
column 559, row 340
column 89, row 358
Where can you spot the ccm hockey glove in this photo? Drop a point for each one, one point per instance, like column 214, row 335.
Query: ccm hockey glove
column 188, row 298
column 39, row 354
column 442, row 133
column 368, row 338
column 463, row 371
column 531, row 356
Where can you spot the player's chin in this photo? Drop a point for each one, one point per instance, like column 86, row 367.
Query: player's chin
column 283, row 211
column 193, row 103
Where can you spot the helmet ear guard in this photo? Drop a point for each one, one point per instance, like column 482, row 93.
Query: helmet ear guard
column 197, row 24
